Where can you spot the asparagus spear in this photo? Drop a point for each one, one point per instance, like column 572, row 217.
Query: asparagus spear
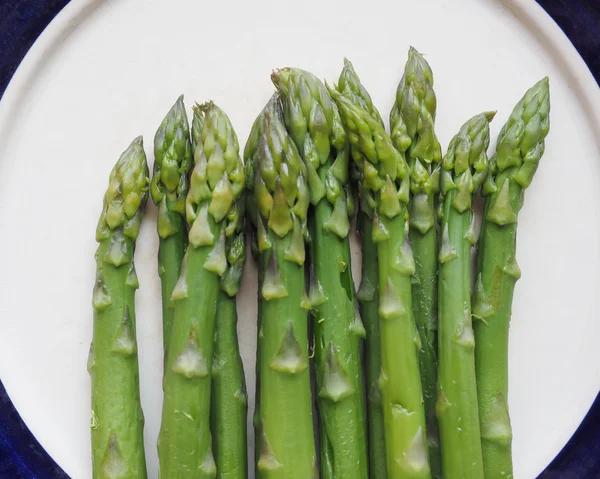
column 520, row 147
column 386, row 186
column 117, row 418
column 464, row 169
column 250, row 160
column 169, row 187
column 349, row 85
column 412, row 125
column 286, row 446
column 229, row 409
column 212, row 210
column 315, row 127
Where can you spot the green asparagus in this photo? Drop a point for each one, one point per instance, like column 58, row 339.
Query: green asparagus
column 464, row 169
column 250, row 158
column 229, row 407
column 349, row 85
column 412, row 126
column 213, row 212
column 385, row 176
column 285, row 444
column 518, row 152
column 314, row 124
column 169, row 187
column 117, row 419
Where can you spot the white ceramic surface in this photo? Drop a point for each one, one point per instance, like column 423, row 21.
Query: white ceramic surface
column 105, row 72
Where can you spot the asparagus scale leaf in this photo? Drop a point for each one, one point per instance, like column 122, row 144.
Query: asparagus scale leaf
column 169, row 187
column 315, row 127
column 518, row 152
column 464, row 169
column 386, row 184
column 117, row 420
column 213, row 212
column 284, row 426
column 412, row 131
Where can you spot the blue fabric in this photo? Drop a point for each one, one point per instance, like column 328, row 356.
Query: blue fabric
column 21, row 456
column 21, row 22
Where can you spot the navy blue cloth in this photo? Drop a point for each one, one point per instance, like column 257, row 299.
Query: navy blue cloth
column 580, row 20
column 21, row 22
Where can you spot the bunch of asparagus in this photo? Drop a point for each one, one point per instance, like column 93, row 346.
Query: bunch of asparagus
column 435, row 369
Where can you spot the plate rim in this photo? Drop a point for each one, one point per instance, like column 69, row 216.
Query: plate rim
column 531, row 14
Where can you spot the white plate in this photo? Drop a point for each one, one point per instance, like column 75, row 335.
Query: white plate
column 104, row 72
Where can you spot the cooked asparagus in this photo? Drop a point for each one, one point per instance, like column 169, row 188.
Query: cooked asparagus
column 518, row 152
column 412, row 131
column 386, row 184
column 464, row 168
column 285, row 447
column 117, row 419
column 368, row 293
column 314, row 125
column 213, row 212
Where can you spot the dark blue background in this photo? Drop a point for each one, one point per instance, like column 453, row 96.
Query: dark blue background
column 21, row 21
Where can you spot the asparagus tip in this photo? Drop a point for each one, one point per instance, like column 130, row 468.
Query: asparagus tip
column 542, row 87
column 203, row 107
column 414, row 53
column 489, row 115
column 279, row 77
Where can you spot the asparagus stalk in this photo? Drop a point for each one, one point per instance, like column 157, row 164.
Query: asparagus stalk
column 368, row 293
column 212, row 210
column 368, row 297
column 314, row 125
column 169, row 187
column 117, row 419
column 386, row 187
column 286, row 446
column 464, row 169
column 518, row 152
column 229, row 408
column 412, row 126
